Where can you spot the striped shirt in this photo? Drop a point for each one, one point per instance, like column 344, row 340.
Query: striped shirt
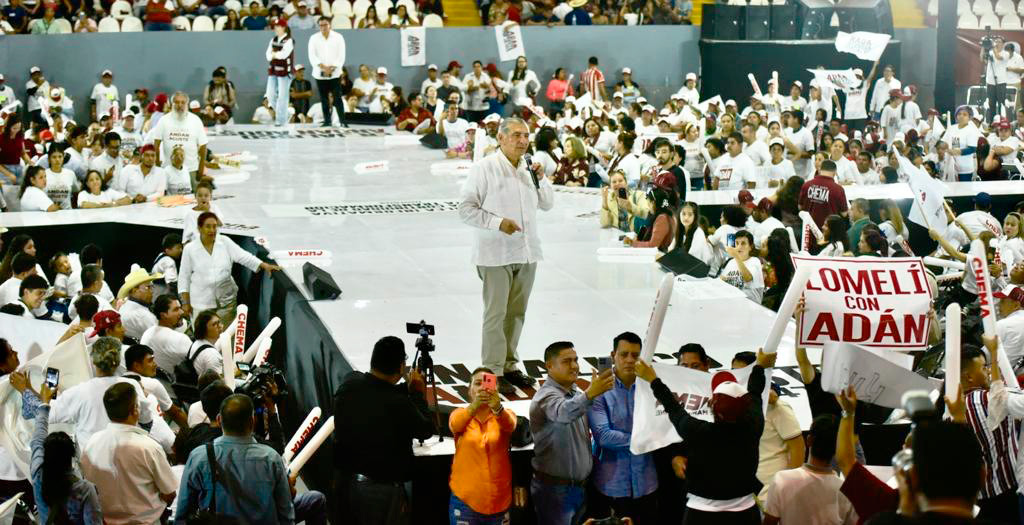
column 998, row 444
column 591, row 79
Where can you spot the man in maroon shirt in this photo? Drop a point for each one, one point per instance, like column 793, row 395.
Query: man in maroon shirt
column 821, row 196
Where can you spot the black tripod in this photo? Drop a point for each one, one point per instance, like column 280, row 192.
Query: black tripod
column 425, row 364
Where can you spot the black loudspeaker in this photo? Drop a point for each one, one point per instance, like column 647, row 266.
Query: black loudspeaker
column 722, row 21
column 758, row 22
column 784, row 23
column 816, row 17
column 874, row 16
column 319, row 283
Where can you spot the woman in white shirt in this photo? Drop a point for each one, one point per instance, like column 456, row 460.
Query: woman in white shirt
column 692, row 237
column 204, row 199
column 892, row 226
column 600, row 144
column 733, row 219
column 1011, row 243
column 96, row 195
column 208, row 328
column 546, row 142
column 524, row 84
column 60, row 182
column 834, row 237
column 402, row 18
column 32, row 196
column 693, row 143
column 179, row 181
column 780, row 169
column 205, row 280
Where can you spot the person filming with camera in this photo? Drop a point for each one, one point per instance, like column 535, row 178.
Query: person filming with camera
column 994, row 59
column 376, row 421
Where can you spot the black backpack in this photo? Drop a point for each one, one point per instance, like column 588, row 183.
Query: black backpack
column 186, row 380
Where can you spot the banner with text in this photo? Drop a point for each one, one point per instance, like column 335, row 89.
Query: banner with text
column 510, row 41
column 414, row 46
column 871, row 301
column 866, row 46
column 652, row 428
column 875, row 379
column 836, row 78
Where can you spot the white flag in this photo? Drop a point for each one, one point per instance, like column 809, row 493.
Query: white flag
column 510, row 41
column 928, row 197
column 836, row 78
column 875, row 379
column 866, row 46
column 414, row 46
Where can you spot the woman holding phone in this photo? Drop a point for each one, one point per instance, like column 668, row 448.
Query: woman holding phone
column 481, row 480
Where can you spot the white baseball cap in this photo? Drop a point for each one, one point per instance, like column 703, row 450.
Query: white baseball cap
column 1, row 77
column 382, row 70
column 730, row 102
column 858, row 71
column 641, row 100
column 299, row 66
column 731, row 389
column 842, row 137
column 798, row 84
column 775, row 141
column 691, row 76
column 664, row 112
column 618, row 94
column 55, row 93
column 493, row 117
column 127, row 114
column 33, row 70
column 627, row 71
column 650, row 108
column 193, row 104
column 106, row 73
column 432, row 66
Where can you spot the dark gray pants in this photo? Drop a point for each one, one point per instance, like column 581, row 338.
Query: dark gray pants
column 372, row 503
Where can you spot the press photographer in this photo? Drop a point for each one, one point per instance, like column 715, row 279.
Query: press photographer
column 994, row 59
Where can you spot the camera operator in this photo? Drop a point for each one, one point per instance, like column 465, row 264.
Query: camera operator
column 995, row 60
column 376, row 421
column 211, row 398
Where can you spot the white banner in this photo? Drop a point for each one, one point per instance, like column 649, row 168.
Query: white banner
column 875, row 379
column 835, row 78
column 652, row 428
column 866, row 46
column 413, row 43
column 872, row 301
column 510, row 41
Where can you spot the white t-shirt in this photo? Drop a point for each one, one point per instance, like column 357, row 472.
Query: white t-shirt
column 733, row 173
column 802, row 495
column 880, row 95
column 780, row 424
column 911, row 115
column 179, row 182
column 758, row 152
column 35, row 199
column 477, row 100
column 169, row 346
column 846, row 171
column 960, row 138
column 208, row 359
column 1016, row 61
column 1009, row 142
column 856, row 103
column 366, row 86
column 104, row 96
column 82, row 406
column 151, row 186
column 802, row 139
column 187, row 132
column 781, row 171
column 978, row 221
column 454, row 132
column 106, row 196
column 754, row 288
column 59, row 187
column 718, row 241
column 765, row 229
column 1010, row 331
column 799, row 103
column 995, row 73
column 262, row 116
column 891, row 118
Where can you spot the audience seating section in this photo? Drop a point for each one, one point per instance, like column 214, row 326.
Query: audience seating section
column 108, row 24
column 202, row 23
column 131, row 24
column 181, row 23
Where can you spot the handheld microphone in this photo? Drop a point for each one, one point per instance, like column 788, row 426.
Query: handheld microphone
column 529, row 166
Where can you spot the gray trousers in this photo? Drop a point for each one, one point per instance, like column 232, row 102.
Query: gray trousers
column 506, row 293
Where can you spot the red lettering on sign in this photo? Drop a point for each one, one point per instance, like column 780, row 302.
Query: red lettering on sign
column 240, row 333
column 306, row 432
column 979, row 277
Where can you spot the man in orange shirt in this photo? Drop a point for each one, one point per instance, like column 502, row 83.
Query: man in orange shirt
column 481, row 480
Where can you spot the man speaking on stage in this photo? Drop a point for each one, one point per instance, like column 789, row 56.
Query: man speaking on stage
column 500, row 198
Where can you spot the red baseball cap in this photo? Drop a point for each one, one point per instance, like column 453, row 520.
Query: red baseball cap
column 103, row 320
column 665, row 180
column 454, row 63
column 746, row 199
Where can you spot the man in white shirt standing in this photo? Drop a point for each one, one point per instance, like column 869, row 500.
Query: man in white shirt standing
column 994, row 61
column 130, row 470
column 1010, row 326
column 431, row 80
column 477, row 84
column 799, row 144
column 500, row 199
column 736, row 170
column 104, row 96
column 136, row 315
column 182, row 128
column 170, row 346
column 326, row 58
column 757, row 150
column 880, row 95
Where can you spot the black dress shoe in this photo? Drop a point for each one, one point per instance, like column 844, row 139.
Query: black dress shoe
column 506, row 388
column 519, row 379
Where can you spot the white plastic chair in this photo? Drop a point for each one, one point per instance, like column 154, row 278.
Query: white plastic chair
column 218, row 24
column 981, row 7
column 341, row 8
column 202, row 23
column 967, row 21
column 382, row 8
column 1020, row 8
column 433, row 20
column 181, row 23
column 120, row 9
column 1010, row 21
column 325, row 6
column 108, row 24
column 359, row 8
column 131, row 24
column 963, row 6
column 63, row 26
column 1005, row 7
column 341, row 22
column 233, row 5
column 933, row 7
column 989, row 20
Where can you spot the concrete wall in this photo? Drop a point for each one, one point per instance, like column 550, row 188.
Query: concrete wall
column 660, row 57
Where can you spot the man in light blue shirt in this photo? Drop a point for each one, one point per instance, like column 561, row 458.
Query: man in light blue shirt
column 260, row 491
column 625, row 482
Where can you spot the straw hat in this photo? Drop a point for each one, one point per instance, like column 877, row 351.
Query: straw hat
column 137, row 276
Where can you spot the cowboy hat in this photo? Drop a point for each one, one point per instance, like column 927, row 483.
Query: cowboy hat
column 577, row 3
column 137, row 276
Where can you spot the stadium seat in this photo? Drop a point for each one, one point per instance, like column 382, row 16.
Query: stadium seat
column 131, row 24
column 1020, row 8
column 121, row 10
column 433, row 20
column 181, row 23
column 62, row 25
column 989, row 20
column 967, row 21
column 341, row 8
column 341, row 22
column 933, row 8
column 1010, row 21
column 108, row 24
column 233, row 5
column 382, row 8
column 325, row 7
column 981, row 7
column 202, row 23
column 963, row 6
column 218, row 24
column 359, row 8
column 1005, row 7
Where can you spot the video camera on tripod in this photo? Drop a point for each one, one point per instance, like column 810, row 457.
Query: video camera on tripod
column 425, row 364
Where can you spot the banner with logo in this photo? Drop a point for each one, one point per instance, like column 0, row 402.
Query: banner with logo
column 835, row 78
column 862, row 44
column 510, row 41
column 413, row 46
column 652, row 428
column 875, row 379
column 871, row 301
